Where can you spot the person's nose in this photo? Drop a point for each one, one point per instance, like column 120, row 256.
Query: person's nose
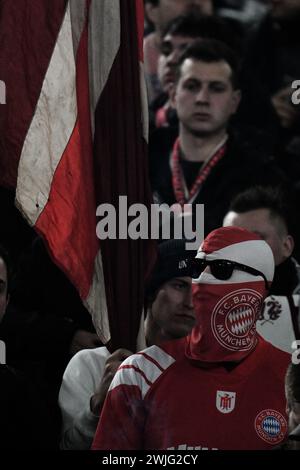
column 203, row 95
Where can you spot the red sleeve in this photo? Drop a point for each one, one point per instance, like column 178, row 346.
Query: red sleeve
column 121, row 422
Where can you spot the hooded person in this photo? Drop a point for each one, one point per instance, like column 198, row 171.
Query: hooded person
column 228, row 381
column 232, row 273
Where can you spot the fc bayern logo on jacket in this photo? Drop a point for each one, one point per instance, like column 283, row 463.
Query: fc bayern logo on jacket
column 225, row 401
column 271, row 426
column 233, row 319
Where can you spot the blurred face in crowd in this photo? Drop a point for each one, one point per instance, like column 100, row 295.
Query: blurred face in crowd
column 294, row 415
column 167, row 10
column 285, row 9
column 204, row 97
column 171, row 49
column 271, row 229
column 172, row 310
column 3, row 289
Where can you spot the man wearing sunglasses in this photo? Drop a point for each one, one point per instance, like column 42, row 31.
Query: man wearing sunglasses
column 222, row 387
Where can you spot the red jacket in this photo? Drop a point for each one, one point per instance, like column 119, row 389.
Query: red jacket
column 160, row 400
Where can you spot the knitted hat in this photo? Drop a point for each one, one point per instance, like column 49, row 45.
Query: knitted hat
column 173, row 261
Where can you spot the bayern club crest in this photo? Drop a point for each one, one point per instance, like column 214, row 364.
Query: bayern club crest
column 233, row 320
column 225, row 401
column 271, row 426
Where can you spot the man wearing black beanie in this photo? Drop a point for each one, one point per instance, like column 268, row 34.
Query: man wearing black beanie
column 170, row 315
column 169, row 307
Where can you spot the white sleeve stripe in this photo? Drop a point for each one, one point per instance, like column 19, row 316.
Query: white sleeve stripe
column 130, row 377
column 150, row 359
column 141, row 371
column 163, row 359
column 147, row 367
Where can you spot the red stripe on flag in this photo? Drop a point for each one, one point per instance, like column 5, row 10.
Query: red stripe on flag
column 68, row 221
column 70, row 209
column 139, row 5
column 28, row 31
column 121, row 166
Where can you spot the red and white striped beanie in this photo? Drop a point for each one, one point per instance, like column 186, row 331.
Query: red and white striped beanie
column 240, row 245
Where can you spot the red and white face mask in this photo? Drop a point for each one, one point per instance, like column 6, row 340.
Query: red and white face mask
column 227, row 308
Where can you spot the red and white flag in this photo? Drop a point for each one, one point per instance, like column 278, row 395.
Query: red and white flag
column 73, row 137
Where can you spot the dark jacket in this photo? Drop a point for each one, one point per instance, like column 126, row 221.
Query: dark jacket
column 245, row 163
column 286, row 278
column 25, row 421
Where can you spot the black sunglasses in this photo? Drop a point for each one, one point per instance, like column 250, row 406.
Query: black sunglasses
column 222, row 269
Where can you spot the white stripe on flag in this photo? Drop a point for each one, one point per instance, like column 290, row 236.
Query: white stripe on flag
column 104, row 33
column 50, row 129
column 96, row 302
column 144, row 102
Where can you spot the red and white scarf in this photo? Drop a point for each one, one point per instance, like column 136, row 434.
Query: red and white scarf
column 182, row 194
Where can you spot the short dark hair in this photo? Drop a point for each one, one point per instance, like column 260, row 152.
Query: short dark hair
column 202, row 26
column 212, row 50
column 292, row 383
column 4, row 255
column 259, row 197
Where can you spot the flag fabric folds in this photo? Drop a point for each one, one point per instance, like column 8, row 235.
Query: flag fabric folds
column 74, row 136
